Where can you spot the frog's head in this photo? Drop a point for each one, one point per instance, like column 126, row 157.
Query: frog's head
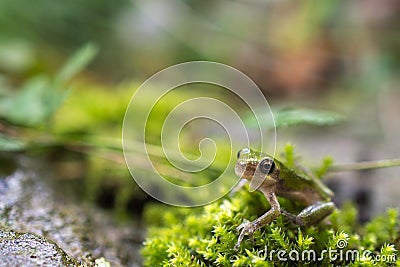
column 254, row 166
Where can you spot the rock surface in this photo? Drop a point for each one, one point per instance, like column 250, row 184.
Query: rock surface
column 40, row 226
column 24, row 249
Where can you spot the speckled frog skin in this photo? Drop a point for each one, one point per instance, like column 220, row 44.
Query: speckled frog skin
column 273, row 178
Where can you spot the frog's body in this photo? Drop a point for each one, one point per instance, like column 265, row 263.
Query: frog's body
column 273, row 178
column 299, row 186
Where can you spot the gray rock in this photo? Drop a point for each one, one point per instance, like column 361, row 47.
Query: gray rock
column 42, row 226
column 25, row 249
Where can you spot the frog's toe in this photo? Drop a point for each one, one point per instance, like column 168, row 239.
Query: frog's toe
column 248, row 228
column 242, row 225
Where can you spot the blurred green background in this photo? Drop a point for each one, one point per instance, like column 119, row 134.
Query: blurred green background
column 324, row 60
column 341, row 56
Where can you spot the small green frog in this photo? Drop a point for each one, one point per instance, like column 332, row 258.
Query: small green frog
column 273, row 178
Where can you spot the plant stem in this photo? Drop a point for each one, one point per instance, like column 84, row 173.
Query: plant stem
column 365, row 165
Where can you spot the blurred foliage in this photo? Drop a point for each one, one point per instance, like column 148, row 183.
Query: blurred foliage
column 328, row 57
column 294, row 116
column 62, row 23
column 38, row 98
column 93, row 109
column 290, row 116
column 34, row 38
column 317, row 46
column 10, row 144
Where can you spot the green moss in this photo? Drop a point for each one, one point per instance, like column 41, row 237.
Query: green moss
column 327, row 162
column 206, row 236
column 289, row 155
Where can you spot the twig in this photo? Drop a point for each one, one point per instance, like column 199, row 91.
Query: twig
column 365, row 165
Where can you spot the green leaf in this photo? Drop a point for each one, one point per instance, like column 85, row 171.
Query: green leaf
column 76, row 63
column 40, row 97
column 289, row 117
column 9, row 144
column 26, row 106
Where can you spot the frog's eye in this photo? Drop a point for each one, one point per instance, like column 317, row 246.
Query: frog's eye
column 266, row 166
column 243, row 151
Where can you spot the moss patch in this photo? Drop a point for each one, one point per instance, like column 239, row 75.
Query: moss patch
column 206, row 237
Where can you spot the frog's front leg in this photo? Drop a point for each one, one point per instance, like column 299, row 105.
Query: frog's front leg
column 250, row 227
column 238, row 187
column 312, row 214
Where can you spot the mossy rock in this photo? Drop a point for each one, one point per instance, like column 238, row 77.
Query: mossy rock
column 206, row 236
column 26, row 249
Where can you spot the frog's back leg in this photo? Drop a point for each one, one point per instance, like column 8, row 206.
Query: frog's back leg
column 312, row 214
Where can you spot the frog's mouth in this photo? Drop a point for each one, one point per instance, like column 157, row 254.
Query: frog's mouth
column 245, row 170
